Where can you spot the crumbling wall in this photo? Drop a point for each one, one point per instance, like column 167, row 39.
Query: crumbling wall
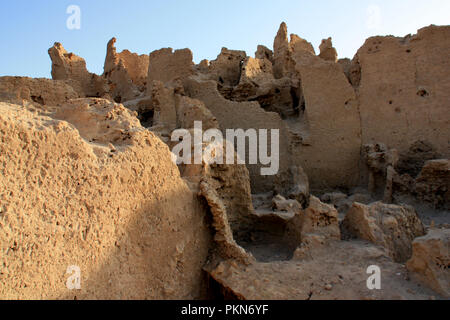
column 38, row 91
column 331, row 141
column 243, row 115
column 116, row 207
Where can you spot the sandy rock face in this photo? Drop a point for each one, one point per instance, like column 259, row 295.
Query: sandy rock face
column 117, row 208
column 430, row 262
column 391, row 226
column 38, row 91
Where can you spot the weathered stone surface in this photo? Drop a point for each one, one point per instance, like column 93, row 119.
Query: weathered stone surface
column 433, row 183
column 320, row 219
column 430, row 262
column 331, row 129
column 191, row 110
column 167, row 66
column 226, row 69
column 135, row 65
column 381, row 164
column 38, row 91
column 243, row 115
column 100, row 121
column 412, row 161
column 120, row 214
column 404, row 89
column 327, row 51
column 263, row 52
column 391, row 226
column 126, row 73
column 281, row 59
column 68, row 66
column 297, row 45
column 226, row 189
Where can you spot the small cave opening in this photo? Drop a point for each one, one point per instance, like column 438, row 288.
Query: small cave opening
column 146, row 118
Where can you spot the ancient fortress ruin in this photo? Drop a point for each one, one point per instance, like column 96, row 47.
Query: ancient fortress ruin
column 88, row 178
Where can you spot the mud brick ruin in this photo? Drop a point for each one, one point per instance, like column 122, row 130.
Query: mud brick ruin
column 88, row 178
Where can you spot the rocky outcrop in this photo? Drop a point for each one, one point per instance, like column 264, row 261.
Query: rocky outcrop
column 391, row 226
column 430, row 262
column 117, row 208
column 431, row 185
column 281, row 59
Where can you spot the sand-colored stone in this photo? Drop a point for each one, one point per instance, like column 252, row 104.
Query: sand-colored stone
column 166, row 65
column 327, row 51
column 242, row 115
column 135, row 65
column 16, row 90
column 262, row 52
column 226, row 69
column 331, row 147
column 68, row 66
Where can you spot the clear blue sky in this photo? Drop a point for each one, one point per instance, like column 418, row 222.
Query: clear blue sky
column 30, row 27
